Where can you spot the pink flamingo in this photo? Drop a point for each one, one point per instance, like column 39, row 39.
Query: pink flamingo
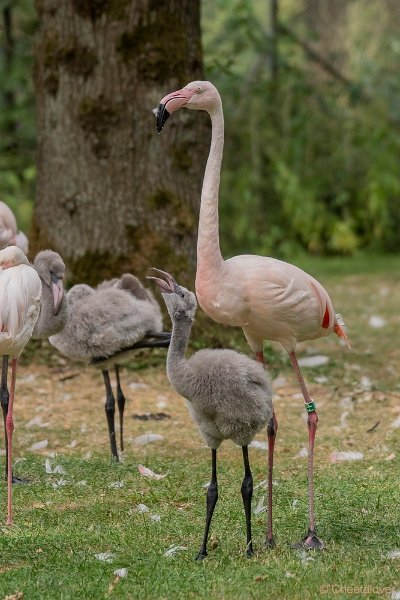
column 9, row 234
column 268, row 298
column 20, row 295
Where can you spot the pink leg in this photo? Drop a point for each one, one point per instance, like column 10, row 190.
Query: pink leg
column 10, row 429
column 311, row 540
column 271, row 432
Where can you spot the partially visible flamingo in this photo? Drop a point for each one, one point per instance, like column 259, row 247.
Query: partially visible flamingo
column 268, row 298
column 20, row 295
column 9, row 234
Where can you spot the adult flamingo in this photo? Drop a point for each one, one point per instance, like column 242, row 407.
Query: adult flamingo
column 20, row 295
column 268, row 298
column 9, row 234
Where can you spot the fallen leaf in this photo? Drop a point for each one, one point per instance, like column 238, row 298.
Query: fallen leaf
column 318, row 360
column 171, row 551
column 155, row 518
column 391, row 456
column 259, row 445
column 142, row 508
column 302, row 453
column 393, row 554
column 105, row 556
column 121, row 572
column 149, row 473
column 341, row 456
column 376, row 322
column 38, row 421
column 16, row 596
column 116, row 485
column 39, row 445
column 260, row 578
column 261, row 507
column 147, row 438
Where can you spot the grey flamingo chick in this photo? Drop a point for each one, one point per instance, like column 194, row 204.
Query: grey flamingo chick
column 228, row 394
column 52, row 317
column 53, row 309
column 104, row 327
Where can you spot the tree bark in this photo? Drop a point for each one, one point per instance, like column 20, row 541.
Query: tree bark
column 112, row 195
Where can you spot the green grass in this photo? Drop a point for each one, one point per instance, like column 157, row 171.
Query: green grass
column 50, row 552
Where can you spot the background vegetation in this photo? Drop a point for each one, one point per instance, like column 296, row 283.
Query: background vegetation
column 312, row 118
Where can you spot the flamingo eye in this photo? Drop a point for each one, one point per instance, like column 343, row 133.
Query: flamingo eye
column 198, row 90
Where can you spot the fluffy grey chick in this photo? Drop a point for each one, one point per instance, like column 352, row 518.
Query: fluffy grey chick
column 105, row 325
column 53, row 308
column 228, row 394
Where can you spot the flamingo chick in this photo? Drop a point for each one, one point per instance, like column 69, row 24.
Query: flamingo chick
column 228, row 394
column 268, row 298
column 20, row 294
column 104, row 327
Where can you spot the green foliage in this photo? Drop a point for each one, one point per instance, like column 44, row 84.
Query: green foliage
column 311, row 162
column 17, row 115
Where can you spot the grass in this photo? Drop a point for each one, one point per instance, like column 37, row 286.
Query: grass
column 50, row 552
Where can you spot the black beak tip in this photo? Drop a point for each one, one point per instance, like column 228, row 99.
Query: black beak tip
column 162, row 116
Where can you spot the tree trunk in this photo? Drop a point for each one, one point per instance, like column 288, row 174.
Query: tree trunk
column 112, row 195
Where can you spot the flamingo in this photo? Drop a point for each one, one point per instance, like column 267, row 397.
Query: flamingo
column 268, row 298
column 20, row 295
column 9, row 234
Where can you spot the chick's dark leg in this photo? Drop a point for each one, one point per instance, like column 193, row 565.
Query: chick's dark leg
column 247, row 493
column 212, row 497
column 121, row 407
column 110, row 414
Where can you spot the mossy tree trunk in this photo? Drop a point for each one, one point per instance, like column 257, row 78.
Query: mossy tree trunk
column 112, row 195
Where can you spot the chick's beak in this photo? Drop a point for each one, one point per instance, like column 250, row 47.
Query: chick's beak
column 167, row 285
column 57, row 288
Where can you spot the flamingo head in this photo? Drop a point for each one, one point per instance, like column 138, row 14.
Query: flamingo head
column 197, row 95
column 12, row 256
column 51, row 270
column 181, row 303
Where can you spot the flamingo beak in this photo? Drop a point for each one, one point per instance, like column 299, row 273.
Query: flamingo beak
column 57, row 288
column 174, row 101
column 167, row 285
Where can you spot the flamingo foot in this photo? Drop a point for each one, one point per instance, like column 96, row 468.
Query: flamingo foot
column 270, row 543
column 201, row 556
column 19, row 480
column 310, row 542
column 249, row 551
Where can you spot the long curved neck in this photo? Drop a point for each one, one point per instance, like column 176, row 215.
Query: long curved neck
column 178, row 370
column 208, row 251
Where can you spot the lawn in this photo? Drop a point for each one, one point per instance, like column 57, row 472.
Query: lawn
column 82, row 519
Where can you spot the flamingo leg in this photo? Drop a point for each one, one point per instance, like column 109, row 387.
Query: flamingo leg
column 272, row 430
column 4, row 397
column 311, row 540
column 4, row 400
column 212, row 497
column 110, row 414
column 121, row 407
column 10, row 429
column 247, row 494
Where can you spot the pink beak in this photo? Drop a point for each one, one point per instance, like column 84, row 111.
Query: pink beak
column 57, row 287
column 174, row 102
